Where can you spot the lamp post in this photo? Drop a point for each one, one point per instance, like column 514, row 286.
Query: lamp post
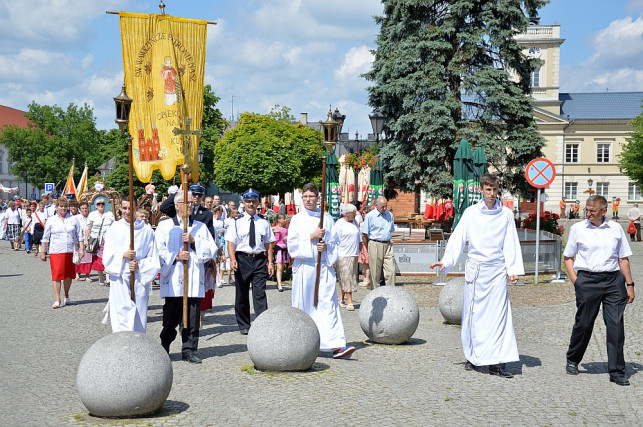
column 377, row 123
column 331, row 128
column 589, row 184
column 358, row 152
column 123, row 107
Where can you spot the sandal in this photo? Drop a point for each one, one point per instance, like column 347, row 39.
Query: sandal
column 350, row 307
column 56, row 305
column 342, row 304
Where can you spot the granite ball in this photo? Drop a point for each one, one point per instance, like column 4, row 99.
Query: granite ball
column 389, row 315
column 283, row 338
column 451, row 301
column 125, row 374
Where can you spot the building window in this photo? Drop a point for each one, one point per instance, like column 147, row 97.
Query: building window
column 603, row 189
column 603, row 153
column 633, row 191
column 571, row 190
column 535, row 78
column 571, row 153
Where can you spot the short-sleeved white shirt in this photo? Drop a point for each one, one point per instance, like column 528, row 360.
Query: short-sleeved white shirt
column 597, row 249
column 239, row 234
column 349, row 238
column 62, row 235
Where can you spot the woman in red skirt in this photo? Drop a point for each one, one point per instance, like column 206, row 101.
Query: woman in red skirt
column 61, row 235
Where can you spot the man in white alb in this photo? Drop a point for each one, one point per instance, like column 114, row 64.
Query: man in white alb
column 304, row 243
column 494, row 253
column 119, row 261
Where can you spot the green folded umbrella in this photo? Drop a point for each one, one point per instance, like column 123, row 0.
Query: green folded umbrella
column 376, row 185
column 333, row 193
column 480, row 168
column 463, row 176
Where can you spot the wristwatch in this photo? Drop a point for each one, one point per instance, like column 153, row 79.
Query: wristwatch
column 630, row 284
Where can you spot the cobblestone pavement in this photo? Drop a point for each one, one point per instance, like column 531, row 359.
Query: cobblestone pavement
column 420, row 383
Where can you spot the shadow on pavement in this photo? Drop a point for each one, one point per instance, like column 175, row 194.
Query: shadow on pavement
column 593, row 368
column 9, row 275
column 526, row 361
column 89, row 301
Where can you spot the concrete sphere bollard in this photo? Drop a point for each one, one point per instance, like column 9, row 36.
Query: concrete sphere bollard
column 451, row 301
column 389, row 315
column 126, row 374
column 283, row 338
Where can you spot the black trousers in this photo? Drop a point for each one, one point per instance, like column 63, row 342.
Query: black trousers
column 251, row 270
column 592, row 290
column 173, row 316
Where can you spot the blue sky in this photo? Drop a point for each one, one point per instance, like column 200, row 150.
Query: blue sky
column 305, row 54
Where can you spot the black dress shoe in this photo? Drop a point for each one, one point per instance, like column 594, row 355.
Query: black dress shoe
column 243, row 332
column 468, row 366
column 497, row 370
column 619, row 380
column 572, row 368
column 192, row 358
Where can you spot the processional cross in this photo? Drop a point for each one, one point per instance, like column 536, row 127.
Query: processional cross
column 187, row 135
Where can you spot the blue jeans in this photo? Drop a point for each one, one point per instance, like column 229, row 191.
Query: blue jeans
column 28, row 240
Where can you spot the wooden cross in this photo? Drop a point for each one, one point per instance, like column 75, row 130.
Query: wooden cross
column 187, row 134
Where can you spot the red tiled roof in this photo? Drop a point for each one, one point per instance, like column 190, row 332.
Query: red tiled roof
column 11, row 116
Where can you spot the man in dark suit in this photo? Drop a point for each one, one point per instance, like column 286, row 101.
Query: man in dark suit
column 200, row 213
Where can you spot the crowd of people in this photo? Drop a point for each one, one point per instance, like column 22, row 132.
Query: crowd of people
column 323, row 255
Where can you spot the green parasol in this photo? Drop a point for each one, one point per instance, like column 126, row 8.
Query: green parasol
column 333, row 191
column 463, row 175
column 376, row 185
column 479, row 169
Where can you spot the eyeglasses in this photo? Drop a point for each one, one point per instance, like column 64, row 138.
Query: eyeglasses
column 100, row 204
column 594, row 210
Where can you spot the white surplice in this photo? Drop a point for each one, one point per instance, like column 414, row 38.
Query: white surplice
column 169, row 243
column 125, row 314
column 494, row 252
column 304, row 251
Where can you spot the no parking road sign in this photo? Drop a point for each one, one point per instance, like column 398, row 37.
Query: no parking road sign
column 540, row 172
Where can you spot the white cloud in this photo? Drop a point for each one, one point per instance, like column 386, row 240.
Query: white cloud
column 616, row 64
column 357, row 61
column 634, row 6
column 42, row 68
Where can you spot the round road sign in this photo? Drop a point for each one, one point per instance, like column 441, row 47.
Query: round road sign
column 540, row 172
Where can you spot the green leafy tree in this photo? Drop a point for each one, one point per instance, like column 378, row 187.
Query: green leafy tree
column 213, row 125
column 632, row 154
column 268, row 154
column 44, row 151
column 281, row 113
column 440, row 75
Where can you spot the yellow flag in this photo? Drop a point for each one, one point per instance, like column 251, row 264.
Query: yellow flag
column 164, row 63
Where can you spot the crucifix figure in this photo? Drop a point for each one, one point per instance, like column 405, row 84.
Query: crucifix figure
column 187, row 134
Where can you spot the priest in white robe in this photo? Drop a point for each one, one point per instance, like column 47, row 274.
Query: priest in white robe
column 494, row 256
column 304, row 245
column 201, row 249
column 119, row 261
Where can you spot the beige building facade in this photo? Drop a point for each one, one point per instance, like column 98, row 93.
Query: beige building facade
column 584, row 132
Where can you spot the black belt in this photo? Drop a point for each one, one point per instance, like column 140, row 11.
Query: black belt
column 379, row 241
column 260, row 254
column 599, row 273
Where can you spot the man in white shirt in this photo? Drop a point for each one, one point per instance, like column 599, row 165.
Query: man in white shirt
column 634, row 215
column 170, row 240
column 306, row 240
column 248, row 239
column 487, row 334
column 50, row 208
column 596, row 258
column 120, row 261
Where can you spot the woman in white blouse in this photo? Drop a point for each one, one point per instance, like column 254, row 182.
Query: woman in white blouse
column 61, row 235
column 85, row 264
column 98, row 222
column 12, row 222
column 350, row 240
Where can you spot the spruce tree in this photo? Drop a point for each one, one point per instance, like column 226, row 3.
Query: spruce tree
column 451, row 69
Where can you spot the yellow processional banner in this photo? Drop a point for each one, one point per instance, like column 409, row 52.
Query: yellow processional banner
column 164, row 63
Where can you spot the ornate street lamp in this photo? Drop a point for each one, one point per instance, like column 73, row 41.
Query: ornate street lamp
column 377, row 123
column 589, row 184
column 339, row 119
column 123, row 106
column 200, row 155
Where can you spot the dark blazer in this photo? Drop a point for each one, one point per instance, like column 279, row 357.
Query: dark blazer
column 202, row 214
